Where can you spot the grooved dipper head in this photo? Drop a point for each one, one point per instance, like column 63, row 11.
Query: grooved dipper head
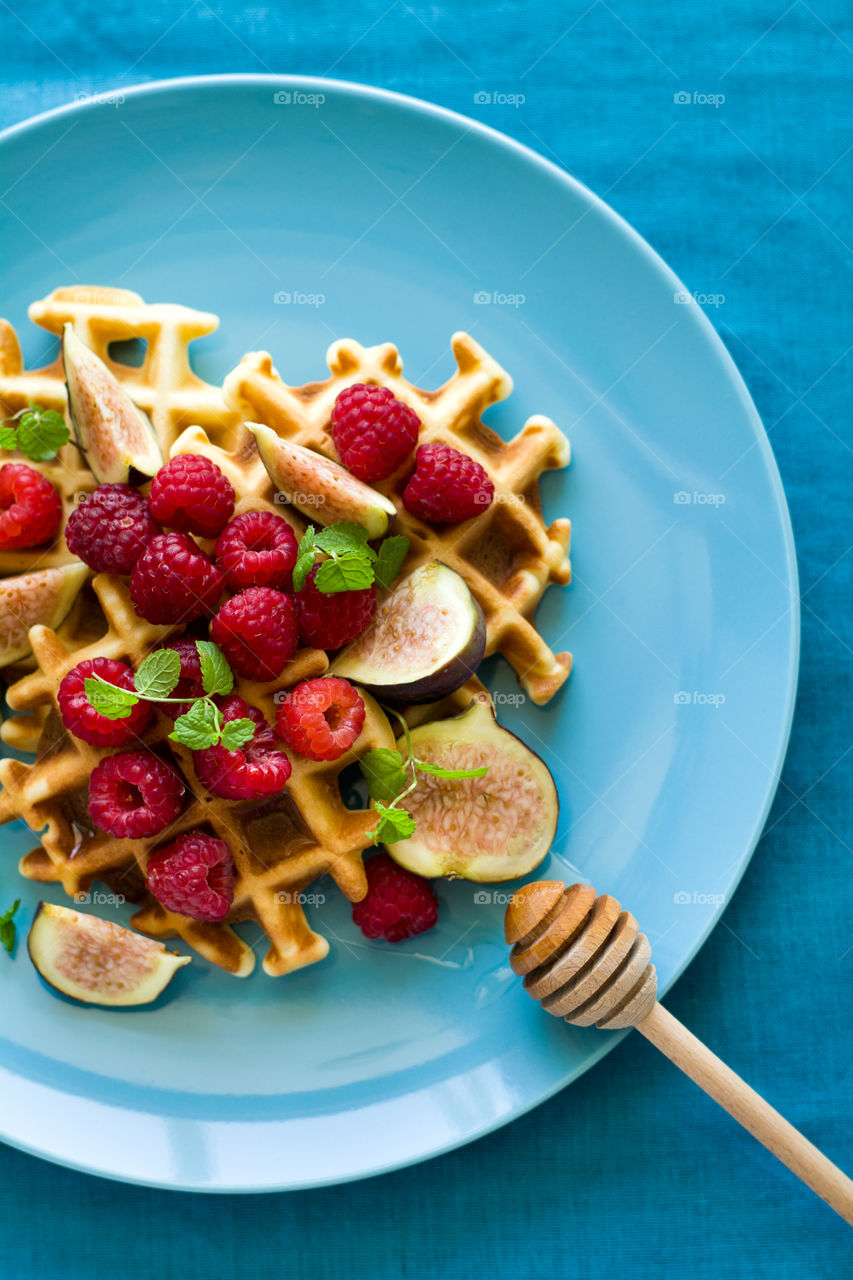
column 581, row 955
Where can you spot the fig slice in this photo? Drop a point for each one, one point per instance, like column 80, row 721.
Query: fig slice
column 43, row 597
column 116, row 436
column 426, row 639
column 321, row 489
column 496, row 827
column 98, row 962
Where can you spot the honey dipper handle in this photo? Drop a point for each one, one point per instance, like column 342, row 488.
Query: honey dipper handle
column 749, row 1109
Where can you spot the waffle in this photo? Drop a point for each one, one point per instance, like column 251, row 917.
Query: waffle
column 164, row 385
column 507, row 555
column 279, row 847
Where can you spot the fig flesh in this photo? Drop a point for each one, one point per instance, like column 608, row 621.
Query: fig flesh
column 426, row 639
column 98, row 962
column 321, row 489
column 116, row 436
column 496, row 827
column 43, row 597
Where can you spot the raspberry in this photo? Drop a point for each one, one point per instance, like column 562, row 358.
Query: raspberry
column 193, row 876
column 189, row 685
column 257, row 770
column 398, row 905
column 30, row 507
column 191, row 494
column 257, row 632
column 327, row 621
column 174, row 581
column 257, row 549
column 84, row 721
column 447, row 486
column 110, row 528
column 372, row 431
column 134, row 794
column 320, row 719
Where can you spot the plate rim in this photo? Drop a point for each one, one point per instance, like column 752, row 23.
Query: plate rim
column 622, row 227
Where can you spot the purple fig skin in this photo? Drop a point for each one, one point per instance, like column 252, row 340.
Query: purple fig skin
column 462, row 644
column 446, row 679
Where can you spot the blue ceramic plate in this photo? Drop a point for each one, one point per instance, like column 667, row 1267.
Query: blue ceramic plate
column 385, row 218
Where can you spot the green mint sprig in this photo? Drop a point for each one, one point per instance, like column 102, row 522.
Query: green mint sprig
column 8, row 932
column 37, row 433
column 201, row 725
column 390, row 778
column 350, row 563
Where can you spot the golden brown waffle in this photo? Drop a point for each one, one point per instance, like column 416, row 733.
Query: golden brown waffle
column 164, row 385
column 279, row 848
column 507, row 555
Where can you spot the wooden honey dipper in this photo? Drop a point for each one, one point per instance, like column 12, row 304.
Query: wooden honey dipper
column 586, row 961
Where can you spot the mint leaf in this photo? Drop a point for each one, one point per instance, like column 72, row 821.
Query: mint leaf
column 383, row 771
column 7, row 927
column 8, row 438
column 350, row 567
column 393, row 825
column 351, row 571
column 438, row 772
column 216, row 676
column 338, row 539
column 41, row 432
column 392, row 553
column 305, row 559
column 236, row 733
column 107, row 699
column 199, row 727
column 158, row 674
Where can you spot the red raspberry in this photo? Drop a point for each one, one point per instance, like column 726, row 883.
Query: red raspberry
column 191, row 493
column 257, row 632
column 30, row 507
column 447, row 486
column 320, row 719
column 327, row 621
column 189, row 685
column 253, row 772
column 257, row 549
column 134, row 794
column 82, row 719
column 110, row 528
column 174, row 581
column 372, row 430
column 398, row 905
column 193, row 876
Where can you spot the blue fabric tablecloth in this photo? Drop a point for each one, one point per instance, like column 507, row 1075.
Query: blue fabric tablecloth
column 722, row 133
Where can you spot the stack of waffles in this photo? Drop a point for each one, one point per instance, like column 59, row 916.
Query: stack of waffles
column 507, row 556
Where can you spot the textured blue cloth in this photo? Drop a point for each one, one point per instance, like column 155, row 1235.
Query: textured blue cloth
column 744, row 198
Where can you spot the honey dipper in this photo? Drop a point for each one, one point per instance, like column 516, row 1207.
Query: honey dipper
column 586, row 961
